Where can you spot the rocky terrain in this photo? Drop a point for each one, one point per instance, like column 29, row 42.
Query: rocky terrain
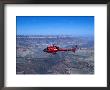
column 30, row 58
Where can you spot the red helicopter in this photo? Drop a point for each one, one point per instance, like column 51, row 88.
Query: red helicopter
column 53, row 49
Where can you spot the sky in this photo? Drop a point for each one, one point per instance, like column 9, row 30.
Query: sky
column 55, row 25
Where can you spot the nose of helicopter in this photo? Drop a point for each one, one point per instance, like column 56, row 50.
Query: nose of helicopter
column 45, row 50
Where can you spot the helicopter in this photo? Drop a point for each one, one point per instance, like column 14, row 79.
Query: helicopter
column 54, row 49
